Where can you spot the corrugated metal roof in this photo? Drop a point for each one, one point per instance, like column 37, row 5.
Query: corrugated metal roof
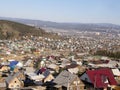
column 99, row 76
column 64, row 78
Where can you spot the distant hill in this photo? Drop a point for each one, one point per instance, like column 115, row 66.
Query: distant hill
column 98, row 27
column 10, row 29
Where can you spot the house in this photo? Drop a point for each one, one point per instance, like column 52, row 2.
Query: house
column 46, row 73
column 50, row 58
column 29, row 70
column 116, row 74
column 13, row 64
column 53, row 67
column 4, row 69
column 69, row 81
column 29, row 63
column 40, row 71
column 73, row 68
column 19, row 65
column 20, row 75
column 37, row 78
column 99, row 78
column 64, row 62
column 2, row 83
column 13, row 82
column 48, row 76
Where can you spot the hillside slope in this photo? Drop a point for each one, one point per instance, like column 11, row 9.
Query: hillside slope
column 97, row 27
column 10, row 29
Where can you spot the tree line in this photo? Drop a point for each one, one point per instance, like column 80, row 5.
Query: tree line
column 108, row 53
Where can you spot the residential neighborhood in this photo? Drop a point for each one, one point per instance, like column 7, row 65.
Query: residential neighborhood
column 59, row 44
column 39, row 63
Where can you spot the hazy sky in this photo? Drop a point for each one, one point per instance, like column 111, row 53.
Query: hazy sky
column 83, row 11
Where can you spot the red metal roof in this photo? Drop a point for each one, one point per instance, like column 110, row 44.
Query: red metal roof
column 98, row 77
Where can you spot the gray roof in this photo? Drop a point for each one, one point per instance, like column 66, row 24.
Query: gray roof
column 46, row 73
column 9, row 78
column 64, row 77
column 12, row 76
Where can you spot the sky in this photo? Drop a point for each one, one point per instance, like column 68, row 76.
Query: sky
column 79, row 11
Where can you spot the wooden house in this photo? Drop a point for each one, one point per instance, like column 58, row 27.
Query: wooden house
column 15, row 81
column 70, row 81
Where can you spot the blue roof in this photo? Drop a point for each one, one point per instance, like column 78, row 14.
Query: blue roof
column 13, row 63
